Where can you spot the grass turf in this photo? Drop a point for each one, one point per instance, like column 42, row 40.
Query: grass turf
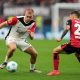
column 69, row 66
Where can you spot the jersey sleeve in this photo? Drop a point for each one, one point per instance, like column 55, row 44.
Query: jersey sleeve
column 33, row 27
column 68, row 24
column 13, row 21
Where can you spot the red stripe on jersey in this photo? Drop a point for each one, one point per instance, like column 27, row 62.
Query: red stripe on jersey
column 33, row 27
column 13, row 21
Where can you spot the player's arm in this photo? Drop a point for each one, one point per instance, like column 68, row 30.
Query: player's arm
column 11, row 22
column 65, row 30
column 31, row 35
column 64, row 33
column 32, row 30
column 3, row 24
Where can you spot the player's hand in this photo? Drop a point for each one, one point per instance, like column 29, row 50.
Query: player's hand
column 59, row 39
column 27, row 30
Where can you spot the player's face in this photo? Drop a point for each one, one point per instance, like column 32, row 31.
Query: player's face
column 71, row 16
column 28, row 16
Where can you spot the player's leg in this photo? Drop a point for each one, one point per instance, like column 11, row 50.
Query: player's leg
column 66, row 48
column 33, row 53
column 77, row 56
column 11, row 48
column 27, row 48
column 55, row 55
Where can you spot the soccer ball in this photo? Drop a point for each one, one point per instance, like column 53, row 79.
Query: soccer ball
column 12, row 66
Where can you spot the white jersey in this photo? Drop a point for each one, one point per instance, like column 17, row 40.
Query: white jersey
column 18, row 26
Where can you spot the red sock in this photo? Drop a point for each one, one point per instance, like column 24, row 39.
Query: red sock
column 55, row 60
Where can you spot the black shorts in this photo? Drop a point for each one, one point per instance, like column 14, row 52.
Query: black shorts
column 70, row 49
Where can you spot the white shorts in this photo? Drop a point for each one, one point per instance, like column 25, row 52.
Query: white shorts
column 20, row 43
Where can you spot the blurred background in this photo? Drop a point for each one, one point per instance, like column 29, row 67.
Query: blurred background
column 50, row 15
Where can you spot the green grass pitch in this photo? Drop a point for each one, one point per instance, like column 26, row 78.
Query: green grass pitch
column 69, row 66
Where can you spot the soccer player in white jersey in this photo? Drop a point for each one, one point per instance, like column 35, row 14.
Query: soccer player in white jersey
column 21, row 28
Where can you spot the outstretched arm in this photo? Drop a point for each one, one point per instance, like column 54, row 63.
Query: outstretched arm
column 68, row 24
column 3, row 24
column 11, row 22
column 64, row 33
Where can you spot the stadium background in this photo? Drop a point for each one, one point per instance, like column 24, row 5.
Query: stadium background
column 50, row 16
column 46, row 20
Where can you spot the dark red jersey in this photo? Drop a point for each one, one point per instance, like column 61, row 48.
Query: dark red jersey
column 74, row 32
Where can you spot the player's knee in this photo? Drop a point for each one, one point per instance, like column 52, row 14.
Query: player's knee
column 55, row 50
column 35, row 54
column 13, row 49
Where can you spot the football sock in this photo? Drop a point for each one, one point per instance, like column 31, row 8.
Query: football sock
column 32, row 66
column 6, row 59
column 55, row 60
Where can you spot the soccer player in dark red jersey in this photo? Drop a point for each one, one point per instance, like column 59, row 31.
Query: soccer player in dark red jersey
column 21, row 28
column 73, row 24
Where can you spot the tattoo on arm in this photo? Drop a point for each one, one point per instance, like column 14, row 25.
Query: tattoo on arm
column 64, row 33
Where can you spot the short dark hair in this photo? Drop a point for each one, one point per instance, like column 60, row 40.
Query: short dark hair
column 77, row 13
